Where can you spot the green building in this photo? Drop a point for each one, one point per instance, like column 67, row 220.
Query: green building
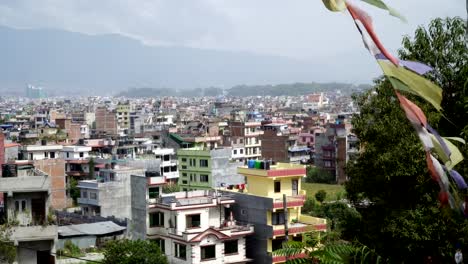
column 201, row 169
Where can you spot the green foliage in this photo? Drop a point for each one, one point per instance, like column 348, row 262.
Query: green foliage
column 320, row 249
column 321, row 195
column 70, row 250
column 317, row 175
column 133, row 252
column 73, row 189
column 7, row 249
column 170, row 188
column 404, row 221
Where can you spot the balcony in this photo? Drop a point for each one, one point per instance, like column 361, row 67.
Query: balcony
column 156, row 180
column 25, row 184
column 77, row 173
column 33, row 233
column 305, row 224
column 291, row 201
column 88, row 201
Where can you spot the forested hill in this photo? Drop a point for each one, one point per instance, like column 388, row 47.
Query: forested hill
column 248, row 90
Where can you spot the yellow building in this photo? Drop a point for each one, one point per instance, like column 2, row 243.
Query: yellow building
column 260, row 202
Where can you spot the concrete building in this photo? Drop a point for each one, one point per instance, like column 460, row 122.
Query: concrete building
column 331, row 150
column 40, row 152
column 123, row 116
column 247, row 133
column 169, row 168
column 106, row 122
column 205, row 169
column 279, row 145
column 261, row 203
column 110, row 194
column 34, row 92
column 27, row 195
column 190, row 227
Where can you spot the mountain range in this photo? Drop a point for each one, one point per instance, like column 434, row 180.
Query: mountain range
column 70, row 63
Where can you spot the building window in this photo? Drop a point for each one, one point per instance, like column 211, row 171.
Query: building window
column 68, row 154
column 277, row 218
column 192, row 162
column 161, row 243
column 277, row 186
column 81, row 154
column 230, row 247
column 184, row 160
column 184, row 167
column 20, row 206
column 184, row 182
column 193, row 221
column 193, row 177
column 156, row 219
column 327, row 164
column 93, row 196
column 241, row 151
column 208, row 252
column 46, row 154
column 84, row 194
column 180, row 251
column 184, row 174
column 203, row 163
column 244, row 212
column 153, row 192
column 203, row 178
column 52, row 155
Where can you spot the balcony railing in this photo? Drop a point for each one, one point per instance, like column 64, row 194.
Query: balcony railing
column 305, row 224
column 276, row 259
column 291, row 201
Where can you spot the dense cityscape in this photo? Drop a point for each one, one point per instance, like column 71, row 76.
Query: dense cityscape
column 233, row 132
column 169, row 169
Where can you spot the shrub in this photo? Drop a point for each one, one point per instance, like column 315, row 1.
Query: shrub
column 321, row 196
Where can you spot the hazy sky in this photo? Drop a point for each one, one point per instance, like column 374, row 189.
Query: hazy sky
column 301, row 29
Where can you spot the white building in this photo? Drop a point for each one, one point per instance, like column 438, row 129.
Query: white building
column 40, row 152
column 168, row 159
column 190, row 227
column 75, row 152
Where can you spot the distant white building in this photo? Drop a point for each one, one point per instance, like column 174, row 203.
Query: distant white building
column 168, row 165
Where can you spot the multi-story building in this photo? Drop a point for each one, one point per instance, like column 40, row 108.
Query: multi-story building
column 40, row 152
column 206, row 169
column 279, row 144
column 27, row 192
column 262, row 204
column 169, row 168
column 123, row 116
column 106, row 122
column 109, row 194
column 247, row 133
column 190, row 227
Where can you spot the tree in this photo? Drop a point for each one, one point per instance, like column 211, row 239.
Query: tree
column 73, row 189
column 404, row 221
column 91, row 168
column 7, row 249
column 316, row 248
column 317, row 175
column 133, row 252
column 171, row 187
column 321, row 196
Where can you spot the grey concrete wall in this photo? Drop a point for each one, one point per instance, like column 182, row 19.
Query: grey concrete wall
column 223, row 170
column 137, row 224
column 253, row 209
column 115, row 197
